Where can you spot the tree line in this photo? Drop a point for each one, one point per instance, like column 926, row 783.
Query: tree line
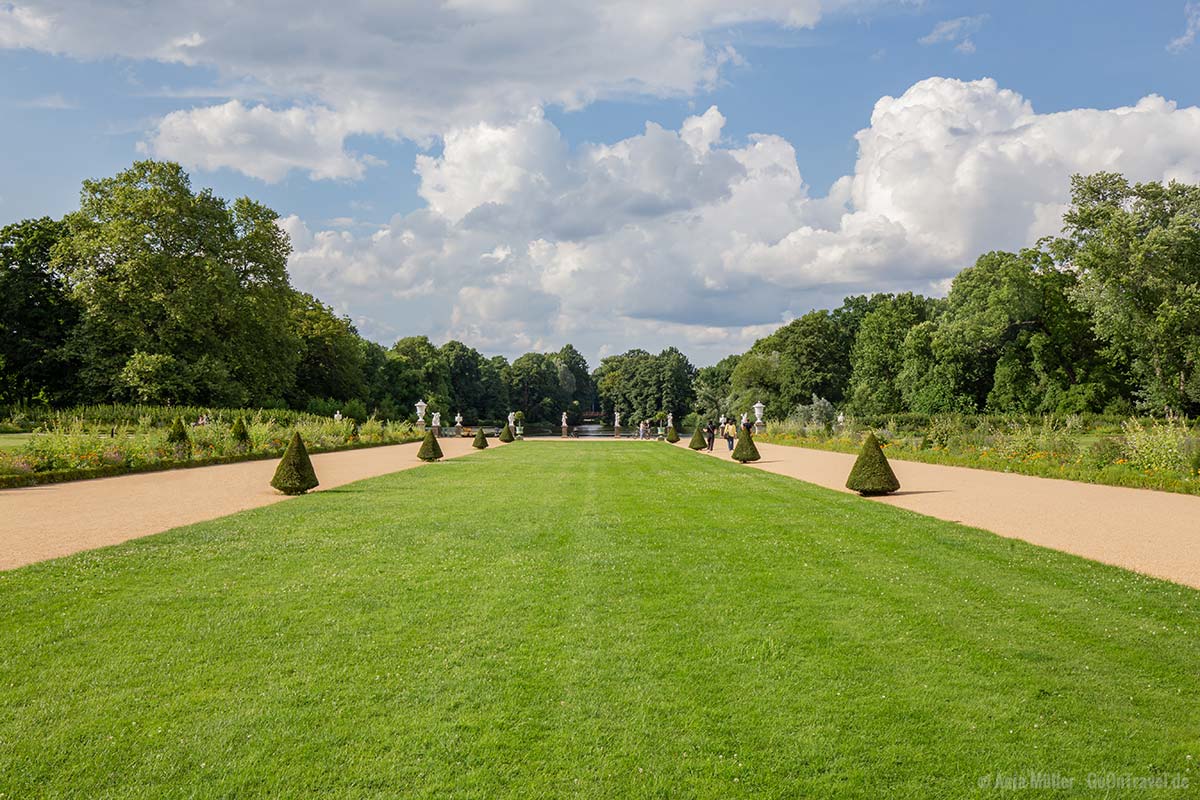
column 152, row 292
column 1104, row 317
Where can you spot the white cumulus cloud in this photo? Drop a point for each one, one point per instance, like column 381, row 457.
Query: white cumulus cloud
column 258, row 141
column 681, row 236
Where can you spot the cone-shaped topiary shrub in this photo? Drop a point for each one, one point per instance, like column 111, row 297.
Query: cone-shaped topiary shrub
column 506, row 434
column 697, row 442
column 295, row 474
column 430, row 449
column 178, row 439
column 872, row 474
column 480, row 442
column 672, row 435
column 745, row 450
column 241, row 436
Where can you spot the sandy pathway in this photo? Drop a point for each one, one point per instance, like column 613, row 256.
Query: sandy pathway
column 40, row 522
column 1156, row 533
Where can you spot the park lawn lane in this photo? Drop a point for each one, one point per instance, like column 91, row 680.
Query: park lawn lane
column 608, row 619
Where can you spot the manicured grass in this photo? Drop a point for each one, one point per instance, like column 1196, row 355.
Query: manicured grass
column 587, row 620
column 13, row 440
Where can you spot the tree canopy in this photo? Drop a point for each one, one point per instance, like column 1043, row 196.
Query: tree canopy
column 153, row 291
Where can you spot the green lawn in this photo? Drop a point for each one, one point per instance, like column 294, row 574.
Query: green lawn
column 587, row 620
column 13, row 440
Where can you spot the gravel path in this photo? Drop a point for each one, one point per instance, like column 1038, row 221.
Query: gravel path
column 1155, row 533
column 40, row 522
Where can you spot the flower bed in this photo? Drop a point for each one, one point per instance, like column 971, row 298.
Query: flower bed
column 1155, row 454
column 78, row 450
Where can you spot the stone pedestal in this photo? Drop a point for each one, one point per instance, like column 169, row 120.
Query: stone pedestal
column 458, row 430
column 617, row 432
column 565, row 431
column 437, row 431
column 421, row 425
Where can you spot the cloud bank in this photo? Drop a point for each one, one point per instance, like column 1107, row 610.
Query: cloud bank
column 681, row 236
column 670, row 235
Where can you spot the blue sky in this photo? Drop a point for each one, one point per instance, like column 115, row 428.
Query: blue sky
column 80, row 102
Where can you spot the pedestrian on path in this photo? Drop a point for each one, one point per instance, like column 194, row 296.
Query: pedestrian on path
column 730, row 433
column 710, row 435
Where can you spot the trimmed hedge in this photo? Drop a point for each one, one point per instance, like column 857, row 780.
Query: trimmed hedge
column 697, row 442
column 745, row 449
column 430, row 449
column 506, row 434
column 240, row 435
column 480, row 442
column 178, row 438
column 672, row 435
column 295, row 473
column 872, row 475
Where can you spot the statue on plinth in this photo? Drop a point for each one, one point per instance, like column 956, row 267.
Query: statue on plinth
column 617, row 424
column 458, row 424
column 564, row 424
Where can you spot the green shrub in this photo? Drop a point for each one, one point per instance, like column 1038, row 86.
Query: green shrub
column 1102, row 453
column 241, row 436
column 672, row 435
column 430, row 449
column 506, row 434
column 872, row 474
column 1160, row 447
column 745, row 449
column 480, row 442
column 355, row 410
column 178, row 439
column 295, row 474
column 697, row 442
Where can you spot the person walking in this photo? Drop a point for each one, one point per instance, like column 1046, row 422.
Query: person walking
column 730, row 433
column 710, row 435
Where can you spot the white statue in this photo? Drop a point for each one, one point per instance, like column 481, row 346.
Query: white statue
column 458, row 420
column 564, row 419
column 437, row 419
column 512, row 419
column 616, row 419
column 722, row 420
column 670, row 420
column 337, row 417
column 745, row 418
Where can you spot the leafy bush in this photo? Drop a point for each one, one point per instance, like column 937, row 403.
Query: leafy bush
column 697, row 442
column 355, row 410
column 295, row 474
column 872, row 474
column 1102, row 453
column 1161, row 447
column 672, row 435
column 506, row 434
column 480, row 442
column 819, row 412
